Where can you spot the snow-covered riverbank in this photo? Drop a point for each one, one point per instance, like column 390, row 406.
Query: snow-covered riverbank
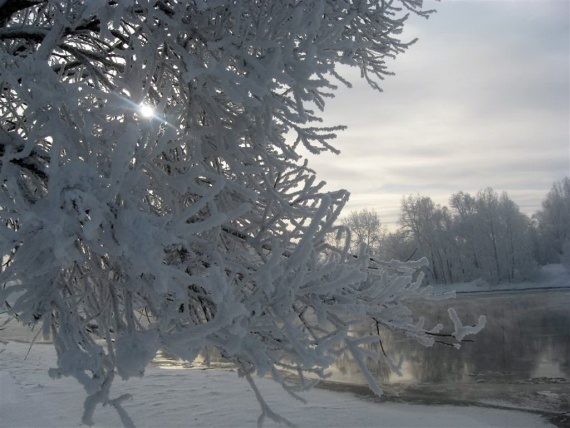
column 210, row 398
column 547, row 278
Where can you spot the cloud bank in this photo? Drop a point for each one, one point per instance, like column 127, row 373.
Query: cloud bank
column 482, row 99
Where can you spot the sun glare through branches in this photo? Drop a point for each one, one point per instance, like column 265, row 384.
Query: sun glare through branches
column 146, row 111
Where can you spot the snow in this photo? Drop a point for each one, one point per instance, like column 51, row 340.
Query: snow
column 551, row 276
column 209, row 398
column 464, row 330
column 216, row 398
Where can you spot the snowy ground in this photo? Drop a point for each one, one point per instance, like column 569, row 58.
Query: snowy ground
column 213, row 398
column 210, row 398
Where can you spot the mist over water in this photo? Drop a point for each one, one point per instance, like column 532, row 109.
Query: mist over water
column 521, row 358
column 527, row 336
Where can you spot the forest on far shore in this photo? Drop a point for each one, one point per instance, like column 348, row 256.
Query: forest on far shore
column 483, row 236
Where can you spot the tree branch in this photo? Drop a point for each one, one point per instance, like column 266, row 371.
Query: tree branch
column 9, row 7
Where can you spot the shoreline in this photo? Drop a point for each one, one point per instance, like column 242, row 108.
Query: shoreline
column 29, row 387
column 542, row 393
column 407, row 395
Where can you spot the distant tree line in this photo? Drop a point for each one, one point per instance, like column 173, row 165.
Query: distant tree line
column 483, row 236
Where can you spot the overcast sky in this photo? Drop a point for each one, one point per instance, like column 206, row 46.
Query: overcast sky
column 481, row 100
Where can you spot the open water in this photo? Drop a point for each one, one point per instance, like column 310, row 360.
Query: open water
column 520, row 360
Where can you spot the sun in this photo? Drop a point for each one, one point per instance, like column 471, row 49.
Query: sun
column 146, row 111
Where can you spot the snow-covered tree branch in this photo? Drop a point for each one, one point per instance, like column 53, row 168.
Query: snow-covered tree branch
column 195, row 223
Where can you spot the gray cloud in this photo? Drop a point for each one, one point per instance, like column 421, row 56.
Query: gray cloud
column 481, row 100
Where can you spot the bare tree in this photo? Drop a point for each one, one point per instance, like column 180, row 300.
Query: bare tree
column 554, row 221
column 366, row 229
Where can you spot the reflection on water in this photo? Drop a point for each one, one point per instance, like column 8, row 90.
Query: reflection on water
column 527, row 336
column 166, row 360
column 521, row 358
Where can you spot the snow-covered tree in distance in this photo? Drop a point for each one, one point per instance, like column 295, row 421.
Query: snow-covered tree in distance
column 553, row 223
column 193, row 223
column 366, row 228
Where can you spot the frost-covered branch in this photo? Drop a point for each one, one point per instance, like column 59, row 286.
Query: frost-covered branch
column 198, row 225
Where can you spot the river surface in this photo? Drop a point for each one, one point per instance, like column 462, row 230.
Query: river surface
column 527, row 336
column 521, row 359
